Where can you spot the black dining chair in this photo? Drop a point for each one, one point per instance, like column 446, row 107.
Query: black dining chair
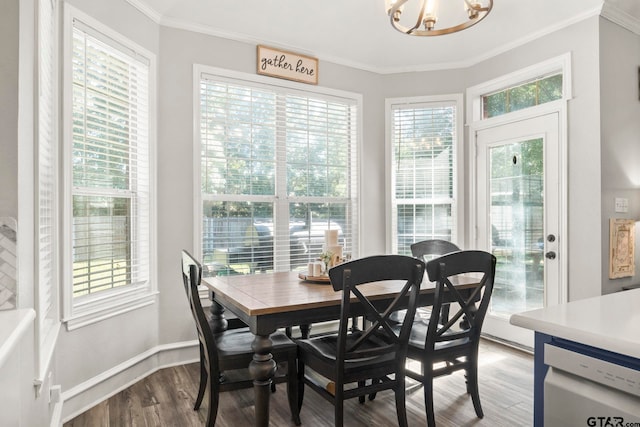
column 426, row 250
column 358, row 362
column 225, row 356
column 445, row 348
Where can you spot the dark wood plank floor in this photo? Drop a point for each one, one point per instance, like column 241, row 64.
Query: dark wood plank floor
column 165, row 398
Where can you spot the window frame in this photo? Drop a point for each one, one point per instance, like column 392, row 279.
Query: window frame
column 559, row 64
column 105, row 304
column 458, row 175
column 47, row 230
column 199, row 71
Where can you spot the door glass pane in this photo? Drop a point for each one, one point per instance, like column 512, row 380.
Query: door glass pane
column 517, row 228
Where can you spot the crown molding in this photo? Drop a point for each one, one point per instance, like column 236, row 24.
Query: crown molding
column 170, row 22
column 147, row 10
column 619, row 16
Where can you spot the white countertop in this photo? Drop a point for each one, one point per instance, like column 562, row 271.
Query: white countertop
column 13, row 324
column 610, row 322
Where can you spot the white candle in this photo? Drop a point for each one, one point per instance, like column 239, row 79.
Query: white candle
column 310, row 267
column 317, row 269
column 330, row 238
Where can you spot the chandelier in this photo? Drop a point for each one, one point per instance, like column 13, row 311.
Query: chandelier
column 434, row 22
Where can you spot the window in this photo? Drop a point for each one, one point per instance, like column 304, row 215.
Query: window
column 525, row 95
column 278, row 167
column 424, row 136
column 108, row 170
column 538, row 87
column 48, row 324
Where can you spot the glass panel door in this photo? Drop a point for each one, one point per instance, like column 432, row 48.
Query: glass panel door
column 516, row 212
column 518, row 218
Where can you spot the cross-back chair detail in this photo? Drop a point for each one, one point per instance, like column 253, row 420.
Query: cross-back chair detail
column 372, row 359
column 453, row 342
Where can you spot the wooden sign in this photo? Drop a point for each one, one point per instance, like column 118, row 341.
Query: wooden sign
column 287, row 65
column 621, row 247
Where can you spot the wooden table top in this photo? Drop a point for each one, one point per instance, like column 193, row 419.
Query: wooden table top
column 271, row 293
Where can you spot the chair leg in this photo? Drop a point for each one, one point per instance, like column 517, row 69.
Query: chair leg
column 338, row 401
column 300, row 384
column 212, row 410
column 361, row 384
column 401, row 407
column 203, row 380
column 428, row 395
column 292, row 389
column 472, row 388
column 372, row 396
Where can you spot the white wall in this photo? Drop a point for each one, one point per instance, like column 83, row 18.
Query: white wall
column 9, row 108
column 620, row 133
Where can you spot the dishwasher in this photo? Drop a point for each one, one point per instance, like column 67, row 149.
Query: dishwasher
column 584, row 388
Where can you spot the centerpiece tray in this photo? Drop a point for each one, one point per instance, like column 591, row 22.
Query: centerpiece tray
column 314, row 279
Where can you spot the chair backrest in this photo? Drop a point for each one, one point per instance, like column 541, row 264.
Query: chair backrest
column 464, row 324
column 426, row 249
column 349, row 276
column 191, row 277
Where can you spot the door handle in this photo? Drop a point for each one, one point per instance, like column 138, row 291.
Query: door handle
column 550, row 255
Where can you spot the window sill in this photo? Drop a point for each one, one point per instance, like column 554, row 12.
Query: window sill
column 109, row 308
column 13, row 325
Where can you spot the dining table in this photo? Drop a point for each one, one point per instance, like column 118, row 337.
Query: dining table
column 267, row 302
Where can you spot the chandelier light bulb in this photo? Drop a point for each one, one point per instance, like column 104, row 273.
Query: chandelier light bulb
column 473, row 8
column 396, row 14
column 430, row 14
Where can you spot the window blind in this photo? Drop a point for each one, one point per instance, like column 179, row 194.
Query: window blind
column 110, row 161
column 423, row 173
column 278, row 167
column 47, row 143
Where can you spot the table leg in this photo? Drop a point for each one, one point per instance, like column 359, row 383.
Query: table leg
column 218, row 322
column 262, row 369
column 305, row 331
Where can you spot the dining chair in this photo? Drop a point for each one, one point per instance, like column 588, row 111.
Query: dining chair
column 445, row 348
column 427, row 250
column 357, row 362
column 225, row 355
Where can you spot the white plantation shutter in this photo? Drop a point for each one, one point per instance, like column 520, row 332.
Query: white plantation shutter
column 47, row 325
column 110, row 162
column 278, row 167
column 424, row 204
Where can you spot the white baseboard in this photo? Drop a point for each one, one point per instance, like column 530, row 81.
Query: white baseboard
column 89, row 393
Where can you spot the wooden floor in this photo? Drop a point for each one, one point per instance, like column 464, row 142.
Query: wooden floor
column 166, row 398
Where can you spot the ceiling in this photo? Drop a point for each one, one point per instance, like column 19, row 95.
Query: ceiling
column 358, row 33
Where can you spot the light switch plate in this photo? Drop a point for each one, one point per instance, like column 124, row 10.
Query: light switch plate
column 622, row 205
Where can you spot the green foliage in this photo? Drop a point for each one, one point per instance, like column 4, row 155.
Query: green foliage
column 527, row 95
